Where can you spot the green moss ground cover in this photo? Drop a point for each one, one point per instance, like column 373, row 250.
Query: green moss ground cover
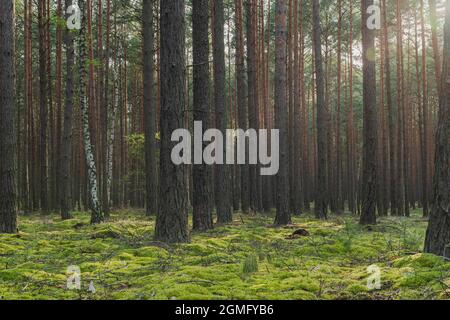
column 245, row 260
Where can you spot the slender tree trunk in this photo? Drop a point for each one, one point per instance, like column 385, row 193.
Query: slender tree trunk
column 339, row 202
column 110, row 105
column 424, row 135
column 321, row 205
column 149, row 109
column 369, row 192
column 66, row 145
column 29, row 102
column 252, row 97
column 400, row 179
column 392, row 118
column 58, row 93
column 297, row 139
column 241, row 103
column 290, row 99
column 350, row 127
column 383, row 185
column 267, row 181
column 43, row 104
column 96, row 214
column 222, row 172
column 283, row 216
column 306, row 174
column 8, row 195
column 172, row 218
column 52, row 155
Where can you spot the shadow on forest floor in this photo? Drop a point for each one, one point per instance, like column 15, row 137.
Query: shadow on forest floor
column 245, row 260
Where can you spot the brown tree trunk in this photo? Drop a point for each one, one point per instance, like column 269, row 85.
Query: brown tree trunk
column 297, row 196
column 29, row 103
column 339, row 202
column 438, row 233
column 391, row 115
column 172, row 218
column 369, row 179
column 241, row 103
column 222, row 171
column 305, row 174
column 255, row 199
column 202, row 206
column 424, row 126
column 267, row 181
column 350, row 127
column 43, row 105
column 58, row 93
column 149, row 109
column 400, row 179
column 283, row 216
column 8, row 196
column 321, row 204
column 66, row 145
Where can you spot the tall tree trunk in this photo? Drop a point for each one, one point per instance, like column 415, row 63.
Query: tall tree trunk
column 369, row 192
column 51, row 157
column 149, row 109
column 29, row 102
column 382, row 140
column 8, row 196
column 58, row 93
column 241, row 103
column 321, row 205
column 172, row 218
column 111, row 106
column 297, row 195
column 306, row 174
column 290, row 99
column 252, row 102
column 350, row 127
column 96, row 214
column 66, row 145
column 222, row 171
column 283, row 216
column 438, row 233
column 424, row 126
column 400, row 179
column 339, row 202
column 202, row 206
column 43, row 104
column 392, row 118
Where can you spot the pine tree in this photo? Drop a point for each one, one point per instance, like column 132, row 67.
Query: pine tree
column 172, row 217
column 149, row 108
column 202, row 206
column 438, row 234
column 321, row 203
column 370, row 144
column 8, row 195
column 283, row 216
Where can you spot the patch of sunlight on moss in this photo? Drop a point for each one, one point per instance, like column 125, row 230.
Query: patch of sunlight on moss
column 7, row 249
column 421, row 260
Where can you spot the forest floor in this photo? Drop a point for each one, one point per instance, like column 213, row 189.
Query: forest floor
column 245, row 260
